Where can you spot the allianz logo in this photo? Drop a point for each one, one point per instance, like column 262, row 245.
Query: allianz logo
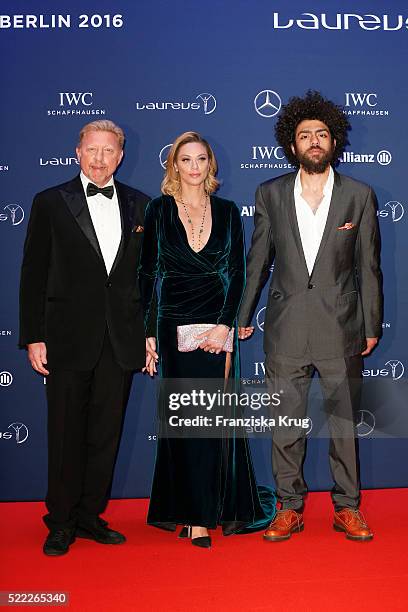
column 341, row 21
column 383, row 157
column 247, row 210
column 59, row 161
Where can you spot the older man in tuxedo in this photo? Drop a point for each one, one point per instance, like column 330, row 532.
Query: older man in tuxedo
column 81, row 321
column 324, row 308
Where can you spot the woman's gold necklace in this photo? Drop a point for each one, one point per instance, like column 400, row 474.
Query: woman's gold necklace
column 201, row 229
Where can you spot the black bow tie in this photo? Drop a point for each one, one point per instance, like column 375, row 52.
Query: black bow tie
column 92, row 190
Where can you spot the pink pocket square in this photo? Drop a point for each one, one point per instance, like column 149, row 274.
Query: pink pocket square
column 138, row 229
column 347, row 226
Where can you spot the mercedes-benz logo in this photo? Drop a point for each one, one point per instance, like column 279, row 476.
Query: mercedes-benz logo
column 21, row 432
column 365, row 424
column 267, row 103
column 209, row 102
column 397, row 210
column 16, row 213
column 397, row 368
column 163, row 155
column 260, row 318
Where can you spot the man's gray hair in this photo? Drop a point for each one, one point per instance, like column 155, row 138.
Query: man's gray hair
column 103, row 125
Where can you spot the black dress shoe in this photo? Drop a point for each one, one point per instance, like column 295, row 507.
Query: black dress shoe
column 97, row 530
column 201, row 542
column 58, row 542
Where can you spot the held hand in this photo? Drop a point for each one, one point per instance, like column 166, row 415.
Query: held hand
column 151, row 357
column 37, row 355
column 371, row 342
column 245, row 332
column 214, row 340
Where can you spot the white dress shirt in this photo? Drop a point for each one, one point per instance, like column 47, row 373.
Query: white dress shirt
column 105, row 215
column 311, row 225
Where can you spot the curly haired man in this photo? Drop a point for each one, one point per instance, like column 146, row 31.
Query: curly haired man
column 324, row 308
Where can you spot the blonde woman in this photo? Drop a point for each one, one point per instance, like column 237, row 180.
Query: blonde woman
column 193, row 241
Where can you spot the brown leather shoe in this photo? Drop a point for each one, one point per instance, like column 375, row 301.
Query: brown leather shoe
column 283, row 525
column 353, row 524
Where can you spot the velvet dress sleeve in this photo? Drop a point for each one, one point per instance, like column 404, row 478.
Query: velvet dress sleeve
column 148, row 268
column 235, row 270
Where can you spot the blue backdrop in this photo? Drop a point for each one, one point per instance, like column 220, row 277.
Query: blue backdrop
column 159, row 68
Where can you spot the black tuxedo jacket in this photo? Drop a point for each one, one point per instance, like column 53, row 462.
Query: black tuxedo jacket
column 67, row 299
column 339, row 304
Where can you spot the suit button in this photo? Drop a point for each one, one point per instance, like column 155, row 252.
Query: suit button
column 311, row 286
column 108, row 284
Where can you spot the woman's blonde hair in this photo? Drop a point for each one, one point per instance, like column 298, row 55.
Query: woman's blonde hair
column 171, row 184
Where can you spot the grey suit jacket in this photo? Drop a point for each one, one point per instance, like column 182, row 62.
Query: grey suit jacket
column 340, row 304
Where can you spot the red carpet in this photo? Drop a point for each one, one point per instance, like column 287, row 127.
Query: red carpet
column 316, row 570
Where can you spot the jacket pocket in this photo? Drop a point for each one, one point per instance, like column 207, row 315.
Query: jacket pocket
column 346, row 298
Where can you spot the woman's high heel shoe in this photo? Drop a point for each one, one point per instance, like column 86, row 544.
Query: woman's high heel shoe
column 201, row 542
column 184, row 532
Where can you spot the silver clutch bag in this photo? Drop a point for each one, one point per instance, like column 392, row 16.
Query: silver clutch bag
column 187, row 341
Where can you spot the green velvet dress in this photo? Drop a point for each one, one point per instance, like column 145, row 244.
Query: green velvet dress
column 206, row 481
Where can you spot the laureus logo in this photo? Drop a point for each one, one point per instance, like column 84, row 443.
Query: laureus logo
column 204, row 101
column 20, row 431
column 341, row 21
column 397, row 210
column 396, row 367
column 393, row 210
column 209, row 102
column 13, row 213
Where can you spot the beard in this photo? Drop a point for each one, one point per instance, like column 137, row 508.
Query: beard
column 315, row 166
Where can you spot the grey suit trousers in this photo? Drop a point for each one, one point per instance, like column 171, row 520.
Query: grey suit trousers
column 340, row 379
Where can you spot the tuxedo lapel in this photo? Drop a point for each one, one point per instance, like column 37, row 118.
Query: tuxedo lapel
column 74, row 197
column 289, row 203
column 332, row 218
